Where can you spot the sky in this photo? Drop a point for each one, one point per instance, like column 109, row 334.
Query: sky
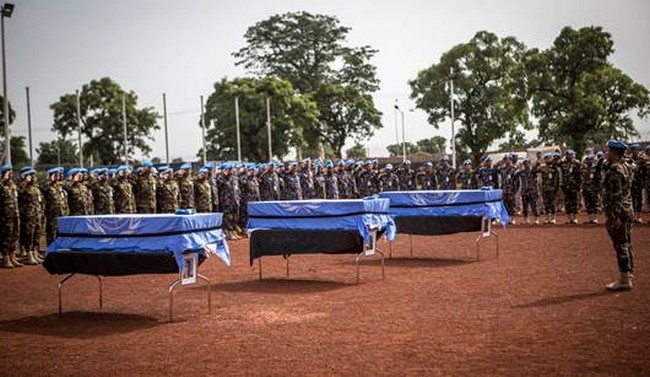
column 182, row 48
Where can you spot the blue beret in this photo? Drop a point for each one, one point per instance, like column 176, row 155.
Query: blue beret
column 329, row 164
column 147, row 164
column 27, row 172
column 54, row 170
column 186, row 166
column 5, row 168
column 83, row 170
column 166, row 170
column 111, row 172
column 72, row 172
column 647, row 147
column 389, row 166
column 487, row 158
column 203, row 171
column 208, row 165
column 616, row 144
column 25, row 169
column 98, row 171
column 122, row 168
column 428, row 164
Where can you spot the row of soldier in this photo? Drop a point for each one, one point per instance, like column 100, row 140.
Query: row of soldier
column 228, row 187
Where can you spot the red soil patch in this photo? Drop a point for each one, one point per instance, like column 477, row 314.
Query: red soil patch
column 539, row 309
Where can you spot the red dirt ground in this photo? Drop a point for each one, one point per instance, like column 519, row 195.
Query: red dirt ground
column 539, row 309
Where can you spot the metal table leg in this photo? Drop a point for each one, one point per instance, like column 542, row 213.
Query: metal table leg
column 61, row 292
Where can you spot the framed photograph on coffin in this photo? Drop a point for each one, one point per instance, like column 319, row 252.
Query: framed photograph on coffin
column 190, row 264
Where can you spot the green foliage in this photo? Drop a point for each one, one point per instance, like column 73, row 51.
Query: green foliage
column 516, row 141
column 358, row 151
column 19, row 155
column 578, row 96
column 291, row 113
column 12, row 115
column 434, row 145
column 490, row 94
column 396, row 150
column 101, row 119
column 308, row 50
column 48, row 153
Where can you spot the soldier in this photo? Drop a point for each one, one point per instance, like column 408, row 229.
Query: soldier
column 331, row 182
column 619, row 213
column 123, row 197
column 368, row 180
column 30, row 201
column 388, row 180
column 319, row 181
column 229, row 197
column 292, row 186
column 145, row 189
column 646, row 174
column 445, row 175
column 591, row 186
column 9, row 213
column 185, row 187
column 56, row 202
column 270, row 183
column 167, row 192
column 307, row 179
column 102, row 192
column 466, row 179
column 77, row 193
column 571, row 179
column 510, row 186
column 529, row 195
column 638, row 169
column 352, row 190
column 250, row 191
column 550, row 184
column 486, row 175
column 407, row 177
column 427, row 178
column 202, row 192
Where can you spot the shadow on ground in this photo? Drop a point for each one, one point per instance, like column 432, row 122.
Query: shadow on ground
column 280, row 286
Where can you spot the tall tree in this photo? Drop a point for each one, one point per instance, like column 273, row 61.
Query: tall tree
column 50, row 152
column 396, row 150
column 101, row 120
column 490, row 96
column 578, row 95
column 19, row 155
column 290, row 114
column 308, row 50
column 12, row 116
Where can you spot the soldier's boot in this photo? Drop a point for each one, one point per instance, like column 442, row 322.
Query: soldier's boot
column 527, row 220
column 6, row 262
column 624, row 283
column 548, row 219
column 553, row 219
column 37, row 255
column 537, row 220
column 30, row 259
column 15, row 261
column 513, row 221
column 569, row 219
column 638, row 220
column 574, row 219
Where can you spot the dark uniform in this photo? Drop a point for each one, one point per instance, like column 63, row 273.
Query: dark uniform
column 56, row 202
column 510, row 186
column 529, row 193
column 591, row 186
column 445, row 175
column 638, row 170
column 617, row 202
column 10, row 225
column 123, row 197
column 31, row 204
column 571, row 178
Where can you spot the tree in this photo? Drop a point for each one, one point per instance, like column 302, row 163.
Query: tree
column 396, row 150
column 357, row 152
column 50, row 152
column 433, row 145
column 517, row 141
column 308, row 50
column 578, row 96
column 101, row 121
column 490, row 96
column 290, row 114
column 19, row 156
column 12, row 116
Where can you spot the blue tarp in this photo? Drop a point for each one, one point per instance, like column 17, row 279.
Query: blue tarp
column 482, row 203
column 135, row 233
column 350, row 214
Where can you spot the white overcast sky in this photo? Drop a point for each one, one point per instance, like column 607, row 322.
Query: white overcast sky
column 183, row 47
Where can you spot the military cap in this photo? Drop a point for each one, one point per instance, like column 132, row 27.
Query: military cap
column 329, row 164
column 83, row 170
column 389, row 166
column 111, row 172
column 186, row 166
column 55, row 170
column 72, row 172
column 122, row 168
column 467, row 162
column 166, row 170
column 5, row 168
column 616, row 144
column 208, row 165
column 98, row 171
column 146, row 164
column 428, row 164
column 29, row 171
column 26, row 168
column 487, row 158
column 203, row 171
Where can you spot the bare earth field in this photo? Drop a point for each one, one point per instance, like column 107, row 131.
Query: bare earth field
column 538, row 309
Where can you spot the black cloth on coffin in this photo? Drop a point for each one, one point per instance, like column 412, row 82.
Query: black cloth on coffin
column 111, row 263
column 286, row 242
column 437, row 225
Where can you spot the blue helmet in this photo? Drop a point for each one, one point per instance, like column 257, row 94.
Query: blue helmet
column 617, row 145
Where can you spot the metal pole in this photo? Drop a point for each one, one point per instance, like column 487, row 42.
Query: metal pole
column 238, row 132
column 4, row 94
column 203, row 130
column 81, row 153
column 403, row 138
column 29, row 128
column 268, row 124
column 126, row 143
column 396, row 126
column 453, row 130
column 58, row 152
column 166, row 131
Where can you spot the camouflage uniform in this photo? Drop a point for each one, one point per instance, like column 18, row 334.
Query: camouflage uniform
column 78, row 199
column 167, row 196
column 319, row 184
column 427, row 179
column 618, row 209
column 571, row 177
column 186, row 191
column 369, row 182
column 202, row 195
column 351, row 190
column 407, row 179
column 229, row 198
column 486, row 176
column 510, row 186
column 56, row 205
column 123, row 197
column 31, row 204
column 307, row 182
column 388, row 180
column 529, row 194
column 270, row 185
column 591, row 186
column 10, row 225
column 446, row 176
column 103, row 197
column 250, row 192
column 292, row 187
column 145, row 189
column 550, row 185
column 638, row 183
column 466, row 179
column 331, row 185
